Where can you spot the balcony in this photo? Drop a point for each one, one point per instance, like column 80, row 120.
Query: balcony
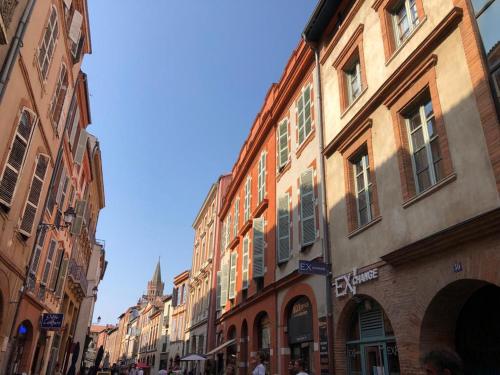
column 77, row 278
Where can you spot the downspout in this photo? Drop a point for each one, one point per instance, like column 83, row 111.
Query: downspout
column 17, row 43
column 324, row 216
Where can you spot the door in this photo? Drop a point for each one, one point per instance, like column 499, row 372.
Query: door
column 374, row 359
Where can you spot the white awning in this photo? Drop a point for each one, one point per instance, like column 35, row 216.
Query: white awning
column 220, row 347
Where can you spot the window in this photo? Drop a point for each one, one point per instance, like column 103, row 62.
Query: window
column 405, row 19
column 282, row 144
column 232, row 275
column 227, row 233
column 304, row 118
column 261, row 185
column 55, row 271
column 248, row 198
column 258, row 248
column 48, row 261
column 353, row 80
column 35, row 191
column 15, row 160
column 425, row 152
column 236, row 216
column 244, row 265
column 284, row 228
column 58, row 97
column 487, row 13
column 218, row 292
column 307, row 207
column 48, row 43
column 224, row 281
column 362, row 188
column 36, row 259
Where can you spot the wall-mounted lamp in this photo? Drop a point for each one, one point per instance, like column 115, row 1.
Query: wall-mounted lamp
column 68, row 217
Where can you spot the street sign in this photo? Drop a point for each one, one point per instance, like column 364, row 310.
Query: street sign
column 51, row 321
column 313, row 268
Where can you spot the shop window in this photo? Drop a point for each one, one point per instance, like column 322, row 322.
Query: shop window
column 371, row 345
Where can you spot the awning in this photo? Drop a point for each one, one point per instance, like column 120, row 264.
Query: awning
column 220, row 347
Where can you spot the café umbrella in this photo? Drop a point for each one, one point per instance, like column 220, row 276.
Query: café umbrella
column 194, row 357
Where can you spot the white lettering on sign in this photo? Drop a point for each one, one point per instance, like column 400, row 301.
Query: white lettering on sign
column 347, row 283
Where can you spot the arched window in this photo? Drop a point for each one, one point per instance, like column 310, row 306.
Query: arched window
column 264, row 334
column 48, row 43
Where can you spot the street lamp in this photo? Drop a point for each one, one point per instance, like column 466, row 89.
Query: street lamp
column 68, row 217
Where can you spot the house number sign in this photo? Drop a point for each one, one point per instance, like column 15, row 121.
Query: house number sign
column 347, row 283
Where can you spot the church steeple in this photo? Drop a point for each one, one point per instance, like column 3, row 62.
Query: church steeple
column 155, row 286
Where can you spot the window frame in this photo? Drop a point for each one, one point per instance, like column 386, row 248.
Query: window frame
column 284, row 124
column 248, row 198
column 367, row 185
column 261, row 179
column 412, row 22
column 49, row 28
column 301, row 114
column 288, row 236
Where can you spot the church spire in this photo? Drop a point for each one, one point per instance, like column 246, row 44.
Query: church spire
column 157, row 275
column 155, row 286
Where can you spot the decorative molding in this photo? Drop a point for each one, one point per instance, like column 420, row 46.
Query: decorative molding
column 348, row 45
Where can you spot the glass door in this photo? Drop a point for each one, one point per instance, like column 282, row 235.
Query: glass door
column 374, row 359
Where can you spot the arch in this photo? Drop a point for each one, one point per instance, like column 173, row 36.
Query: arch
column 20, row 354
column 261, row 340
column 232, row 350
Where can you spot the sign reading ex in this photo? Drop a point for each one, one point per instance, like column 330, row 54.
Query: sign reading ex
column 313, row 268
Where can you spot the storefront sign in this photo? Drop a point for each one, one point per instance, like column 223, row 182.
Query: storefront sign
column 347, row 283
column 51, row 321
column 313, row 268
column 300, row 322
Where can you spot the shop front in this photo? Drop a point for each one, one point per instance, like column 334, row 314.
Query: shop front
column 300, row 331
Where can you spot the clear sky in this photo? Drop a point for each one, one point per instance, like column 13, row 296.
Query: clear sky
column 174, row 88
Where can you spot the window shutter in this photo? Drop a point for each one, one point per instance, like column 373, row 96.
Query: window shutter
column 261, row 185
column 75, row 26
column 218, row 292
column 236, row 216
column 48, row 261
column 175, row 292
column 74, row 127
column 62, row 276
column 15, row 159
column 300, row 118
column 307, row 217
column 283, row 228
column 55, row 272
column 62, row 184
column 82, row 143
column 223, row 237
column 258, row 248
column 371, row 324
column 36, row 260
column 228, row 230
column 244, row 265
column 232, row 275
column 76, row 227
column 283, row 143
column 31, row 207
column 224, row 282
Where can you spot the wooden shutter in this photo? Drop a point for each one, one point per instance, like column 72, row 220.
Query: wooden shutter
column 76, row 227
column 15, row 160
column 62, row 276
column 236, row 216
column 175, row 293
column 218, row 291
column 232, row 275
column 48, row 261
column 283, row 143
column 258, row 248
column 244, row 265
column 283, row 228
column 75, row 27
column 223, row 237
column 61, row 186
column 300, row 118
column 35, row 191
column 80, row 149
column 55, row 272
column 228, row 230
column 307, row 208
column 307, row 111
column 261, row 183
column 224, row 282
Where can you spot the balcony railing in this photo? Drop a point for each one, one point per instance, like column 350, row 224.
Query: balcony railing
column 77, row 275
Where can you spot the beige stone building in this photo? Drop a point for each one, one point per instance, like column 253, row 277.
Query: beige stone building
column 411, row 141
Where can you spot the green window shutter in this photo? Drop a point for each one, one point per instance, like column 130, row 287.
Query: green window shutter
column 283, row 228
column 55, row 271
column 224, row 282
column 15, row 159
column 283, row 143
column 244, row 265
column 62, row 277
column 258, row 248
column 232, row 275
column 48, row 261
column 76, row 227
column 218, row 291
column 307, row 216
column 35, row 191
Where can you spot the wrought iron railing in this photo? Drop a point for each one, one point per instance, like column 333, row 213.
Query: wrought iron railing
column 77, row 274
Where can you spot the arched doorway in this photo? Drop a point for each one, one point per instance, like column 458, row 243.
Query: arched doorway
column 231, row 350
column 263, row 333
column 464, row 317
column 244, row 348
column 23, row 339
column 300, row 331
column 370, row 342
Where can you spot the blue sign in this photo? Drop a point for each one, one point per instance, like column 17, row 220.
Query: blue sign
column 51, row 321
column 313, row 268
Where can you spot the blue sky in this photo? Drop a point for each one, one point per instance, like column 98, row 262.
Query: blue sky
column 174, row 88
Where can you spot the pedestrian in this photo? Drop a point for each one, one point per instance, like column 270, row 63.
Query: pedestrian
column 291, row 368
column 163, row 371
column 230, row 370
column 260, row 369
column 442, row 362
column 299, row 367
column 140, row 372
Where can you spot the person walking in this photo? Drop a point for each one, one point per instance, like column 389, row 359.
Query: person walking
column 260, row 369
column 442, row 362
column 299, row 367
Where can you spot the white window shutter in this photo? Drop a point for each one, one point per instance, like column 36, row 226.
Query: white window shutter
column 283, row 228
column 35, row 191
column 300, row 118
column 60, row 188
column 232, row 275
column 62, row 276
column 82, row 143
column 75, row 28
column 244, row 265
column 307, row 208
column 76, row 227
column 236, row 216
column 15, row 160
column 48, row 261
column 258, row 248
column 74, row 128
column 224, row 282
column 218, row 291
column 283, row 143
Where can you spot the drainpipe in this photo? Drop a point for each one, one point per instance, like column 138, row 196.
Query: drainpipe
column 324, row 216
column 16, row 44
